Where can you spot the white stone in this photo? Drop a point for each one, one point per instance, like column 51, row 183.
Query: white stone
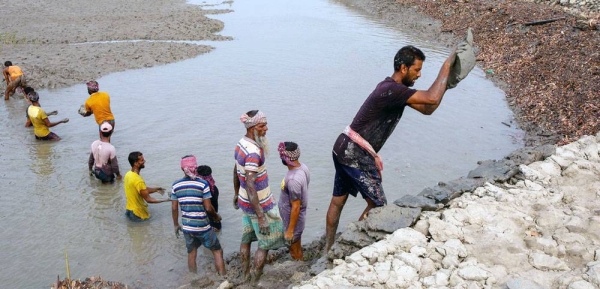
column 442, row 231
column 407, row 238
column 418, row 250
column 441, row 278
column 473, row 273
column 592, row 275
column 545, row 262
column 382, row 269
column 410, row 260
column 547, row 167
column 530, row 173
column 450, row 261
column 581, row 284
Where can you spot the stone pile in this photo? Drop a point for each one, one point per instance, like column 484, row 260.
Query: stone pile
column 540, row 228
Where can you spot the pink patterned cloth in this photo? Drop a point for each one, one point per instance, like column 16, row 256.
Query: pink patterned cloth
column 249, row 122
column 288, row 156
column 92, row 85
column 359, row 140
column 189, row 164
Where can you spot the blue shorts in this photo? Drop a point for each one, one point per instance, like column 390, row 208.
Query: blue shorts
column 349, row 180
column 103, row 176
column 207, row 239
column 132, row 217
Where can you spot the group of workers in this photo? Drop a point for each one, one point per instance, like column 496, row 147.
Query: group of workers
column 272, row 224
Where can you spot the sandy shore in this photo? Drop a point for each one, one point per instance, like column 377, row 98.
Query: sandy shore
column 65, row 42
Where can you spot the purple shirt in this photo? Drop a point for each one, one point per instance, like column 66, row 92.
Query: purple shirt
column 294, row 186
column 375, row 121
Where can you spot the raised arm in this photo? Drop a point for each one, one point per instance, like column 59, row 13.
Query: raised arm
column 427, row 101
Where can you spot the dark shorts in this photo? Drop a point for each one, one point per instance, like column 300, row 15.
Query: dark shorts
column 207, row 239
column 349, row 180
column 50, row 136
column 132, row 217
column 101, row 175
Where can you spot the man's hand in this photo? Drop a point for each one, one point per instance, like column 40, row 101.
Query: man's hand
column 263, row 226
column 65, row 120
column 289, row 237
column 54, row 112
column 177, row 231
column 160, row 191
column 119, row 177
column 235, row 202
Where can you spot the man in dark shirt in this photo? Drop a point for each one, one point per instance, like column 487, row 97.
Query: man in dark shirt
column 357, row 164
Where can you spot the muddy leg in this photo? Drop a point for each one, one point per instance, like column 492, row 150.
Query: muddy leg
column 245, row 255
column 333, row 219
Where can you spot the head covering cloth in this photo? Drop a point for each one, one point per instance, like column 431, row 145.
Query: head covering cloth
column 288, row 156
column 92, row 85
column 33, row 96
column 249, row 122
column 188, row 165
column 205, row 173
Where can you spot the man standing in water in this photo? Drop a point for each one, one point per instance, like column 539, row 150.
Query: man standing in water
column 102, row 162
column 13, row 75
column 261, row 221
column 136, row 192
column 193, row 196
column 98, row 104
column 357, row 165
column 294, row 197
column 37, row 117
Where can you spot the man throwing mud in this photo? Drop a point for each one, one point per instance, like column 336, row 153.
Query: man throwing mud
column 261, row 221
column 98, row 104
column 13, row 75
column 357, row 165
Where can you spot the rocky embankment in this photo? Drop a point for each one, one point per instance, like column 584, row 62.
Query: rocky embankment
column 540, row 228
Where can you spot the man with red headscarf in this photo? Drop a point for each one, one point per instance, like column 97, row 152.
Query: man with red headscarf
column 193, row 196
column 98, row 104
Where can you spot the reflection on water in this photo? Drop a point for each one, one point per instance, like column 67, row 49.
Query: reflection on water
column 308, row 64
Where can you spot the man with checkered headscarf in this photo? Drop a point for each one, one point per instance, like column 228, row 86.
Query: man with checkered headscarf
column 293, row 200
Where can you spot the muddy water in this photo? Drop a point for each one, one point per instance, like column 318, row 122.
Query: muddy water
column 309, row 65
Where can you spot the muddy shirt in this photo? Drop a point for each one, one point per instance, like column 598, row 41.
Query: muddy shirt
column 375, row 121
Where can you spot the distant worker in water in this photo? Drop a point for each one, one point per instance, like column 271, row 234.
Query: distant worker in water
column 137, row 195
column 103, row 163
column 13, row 75
column 293, row 200
column 98, row 104
column 358, row 166
column 38, row 118
column 205, row 172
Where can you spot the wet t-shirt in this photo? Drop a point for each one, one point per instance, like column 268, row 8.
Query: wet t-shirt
column 375, row 121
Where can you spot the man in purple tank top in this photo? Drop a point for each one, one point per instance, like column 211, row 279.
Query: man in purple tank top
column 355, row 153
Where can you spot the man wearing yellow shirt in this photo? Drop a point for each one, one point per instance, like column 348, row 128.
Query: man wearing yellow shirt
column 13, row 75
column 136, row 192
column 98, row 104
column 37, row 117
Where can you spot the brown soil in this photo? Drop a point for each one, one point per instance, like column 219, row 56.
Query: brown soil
column 550, row 72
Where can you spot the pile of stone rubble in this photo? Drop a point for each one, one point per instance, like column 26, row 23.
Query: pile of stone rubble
column 515, row 223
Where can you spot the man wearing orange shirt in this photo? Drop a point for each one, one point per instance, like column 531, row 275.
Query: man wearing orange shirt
column 13, row 75
column 98, row 104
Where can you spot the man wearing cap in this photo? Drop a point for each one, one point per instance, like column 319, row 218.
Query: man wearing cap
column 98, row 104
column 37, row 117
column 136, row 192
column 13, row 75
column 102, row 162
column 293, row 200
column 261, row 221
column 193, row 196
